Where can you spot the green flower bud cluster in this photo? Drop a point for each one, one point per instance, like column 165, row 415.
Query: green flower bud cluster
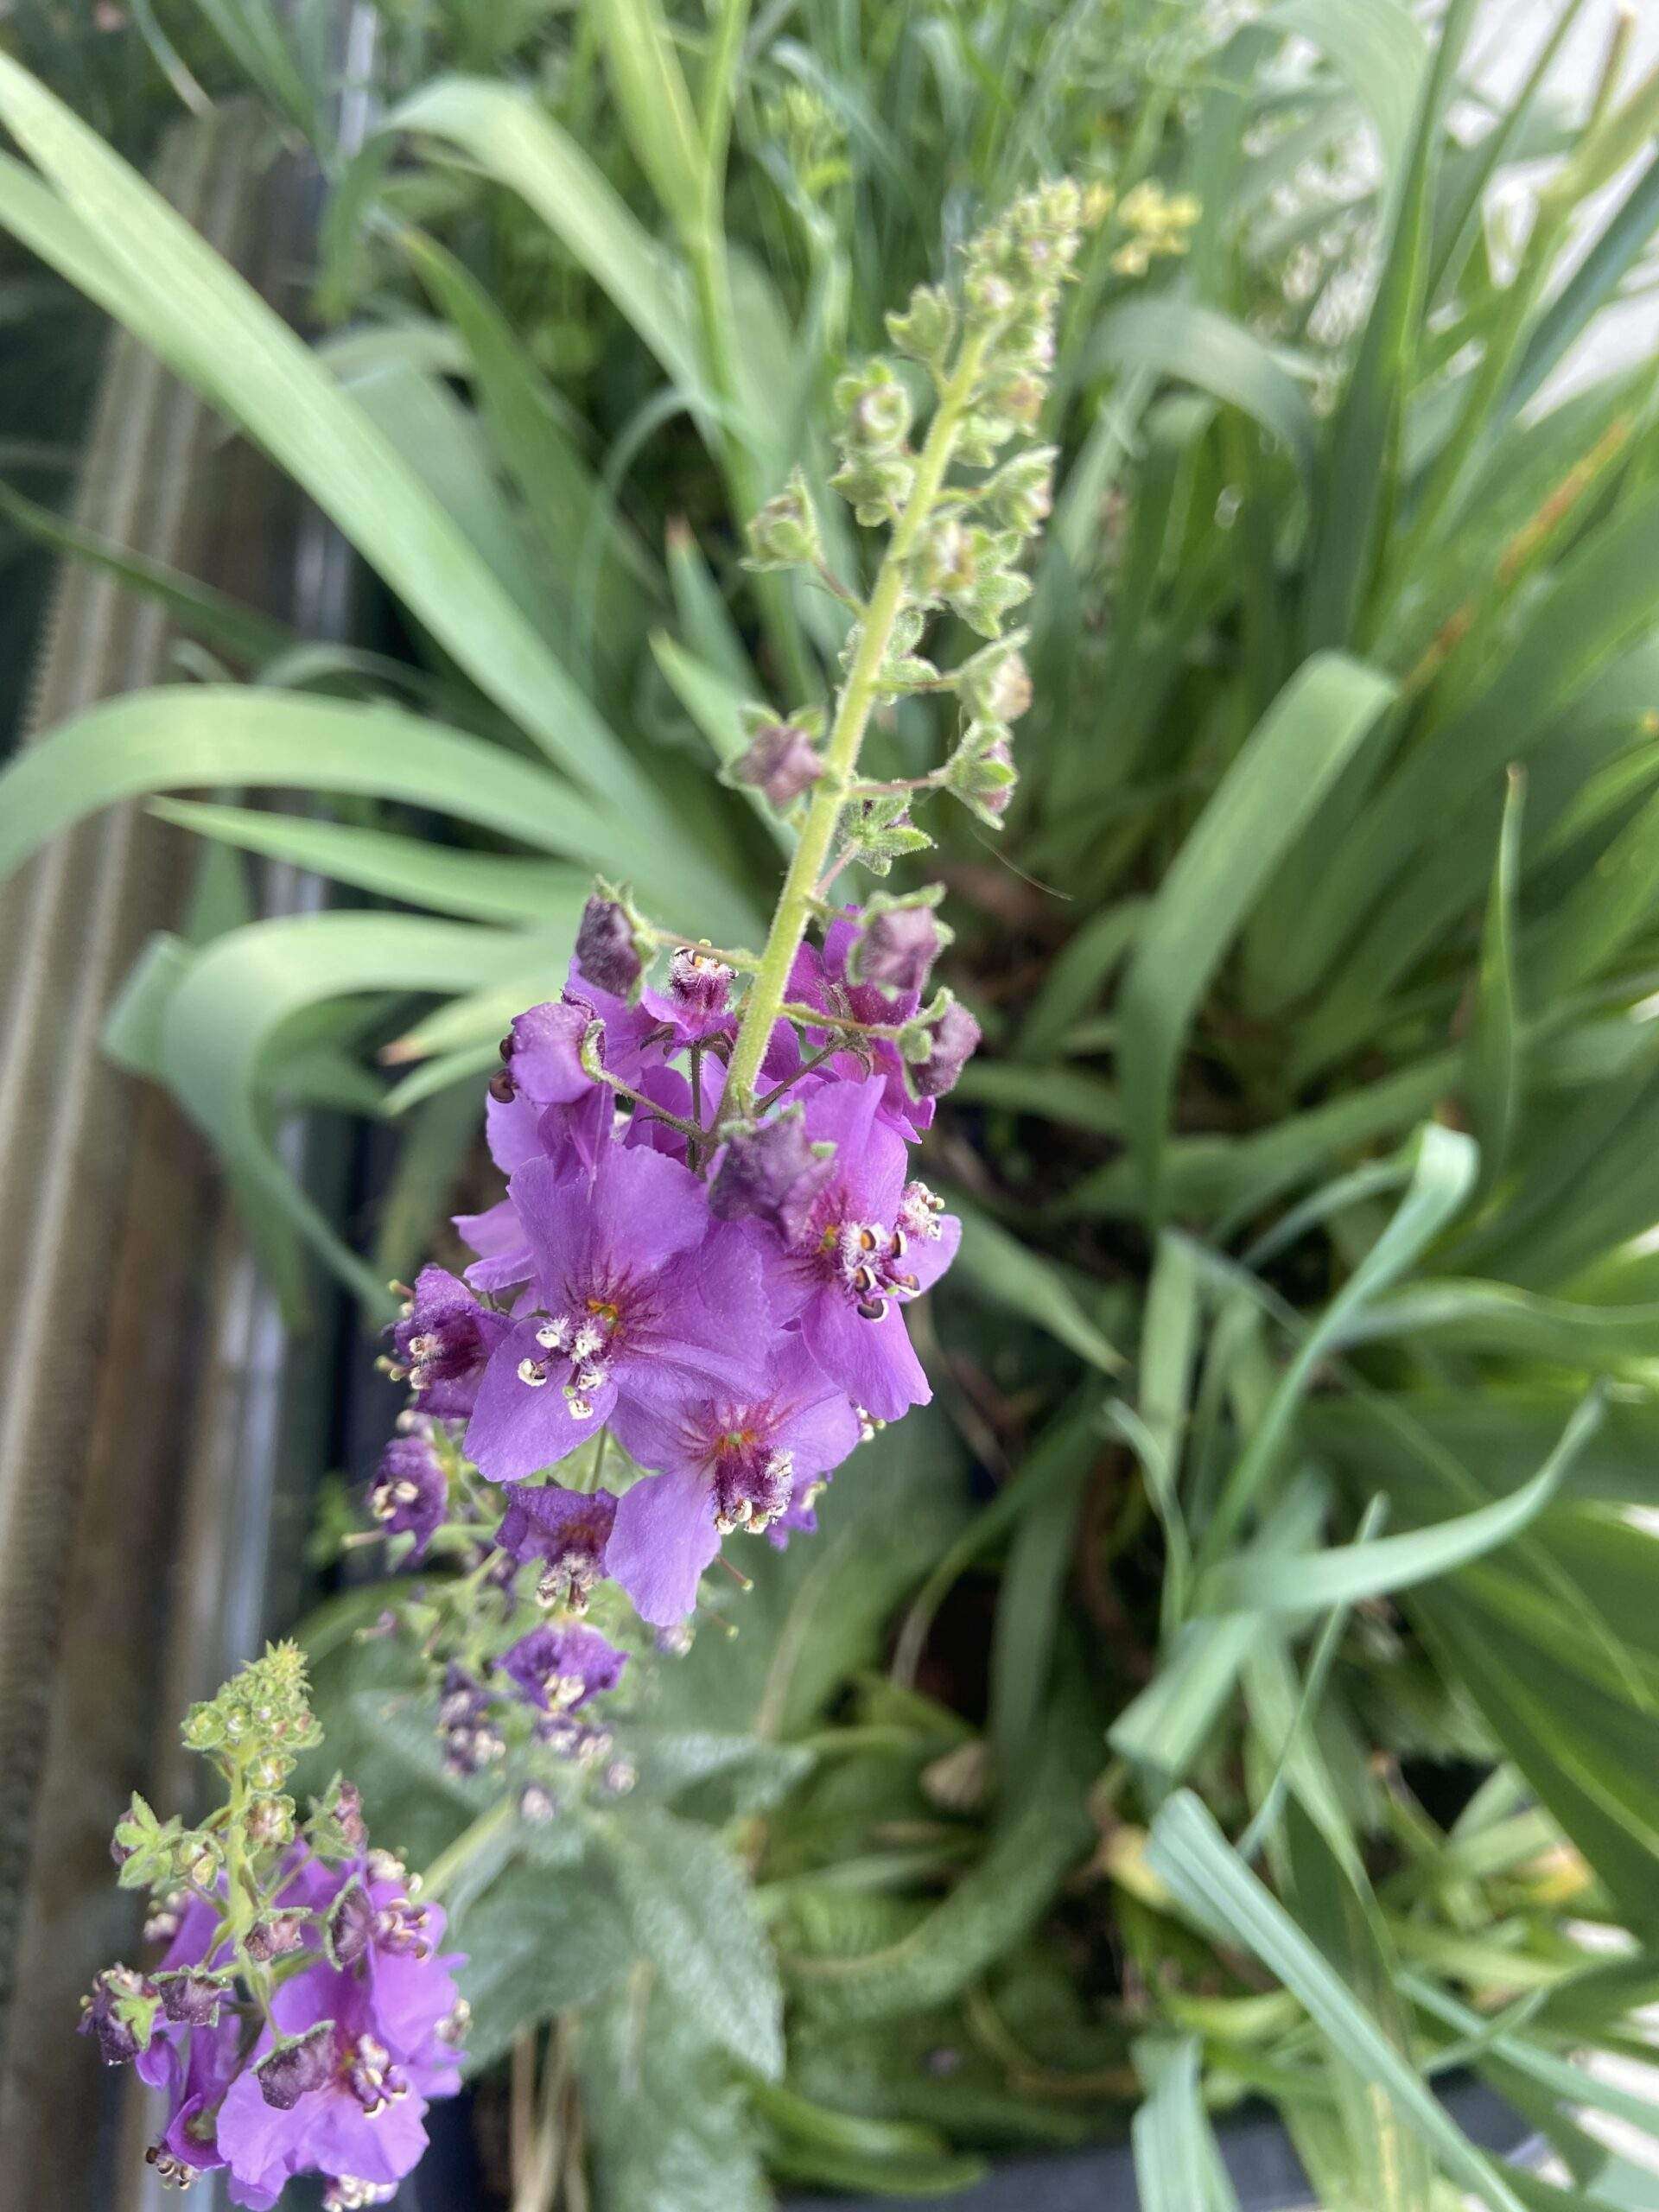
column 1159, row 223
column 785, row 534
column 812, row 135
column 254, row 1732
column 873, row 409
column 964, row 491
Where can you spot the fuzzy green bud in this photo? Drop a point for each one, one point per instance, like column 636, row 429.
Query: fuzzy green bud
column 875, row 485
column 882, row 832
column 996, row 684
column 981, row 771
column 925, row 330
column 1020, row 496
column 874, row 408
column 785, row 534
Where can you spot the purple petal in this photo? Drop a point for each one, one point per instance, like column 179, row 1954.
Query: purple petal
column 872, row 1361
column 664, row 1538
column 517, row 1428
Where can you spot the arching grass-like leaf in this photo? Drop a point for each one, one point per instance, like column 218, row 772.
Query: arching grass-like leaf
column 1314, row 728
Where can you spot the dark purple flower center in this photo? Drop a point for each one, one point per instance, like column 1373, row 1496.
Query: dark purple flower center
column 367, row 2072
column 865, row 1260
column 576, row 1345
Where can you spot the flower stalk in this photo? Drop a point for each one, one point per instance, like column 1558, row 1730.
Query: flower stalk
column 799, row 895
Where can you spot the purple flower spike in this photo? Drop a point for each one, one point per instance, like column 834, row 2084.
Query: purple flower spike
column 896, row 949
column 567, row 1530
column 410, row 1492
column 728, row 1461
column 771, row 1174
column 636, row 1290
column 870, row 1244
column 560, row 1669
column 956, row 1038
column 445, row 1341
column 606, row 950
column 782, row 762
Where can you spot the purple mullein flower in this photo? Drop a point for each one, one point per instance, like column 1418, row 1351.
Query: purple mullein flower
column 729, row 1459
column 820, row 979
column 197, row 2070
column 567, row 1531
column 870, row 1243
column 469, row 1737
column 444, row 1341
column 345, row 2103
column 636, row 1288
column 410, row 1491
column 560, row 1669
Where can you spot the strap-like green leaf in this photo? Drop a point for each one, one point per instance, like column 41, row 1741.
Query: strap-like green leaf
column 1267, row 796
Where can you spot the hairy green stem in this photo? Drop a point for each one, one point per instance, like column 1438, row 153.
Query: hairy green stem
column 853, row 712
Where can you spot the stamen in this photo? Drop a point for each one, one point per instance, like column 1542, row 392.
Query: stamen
column 531, row 1373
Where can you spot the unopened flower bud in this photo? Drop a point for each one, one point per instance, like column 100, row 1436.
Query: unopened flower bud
column 268, row 1823
column 772, row 1173
column 785, row 534
column 191, row 1999
column 925, row 330
column 275, row 1936
column 874, row 406
column 297, row 2067
column 953, row 1038
column 897, row 945
column 781, row 762
column 996, row 684
column 1021, row 493
column 607, row 947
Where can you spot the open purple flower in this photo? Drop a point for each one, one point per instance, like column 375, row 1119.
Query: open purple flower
column 637, row 1290
column 871, row 1241
column 729, row 1460
column 560, row 1669
column 410, row 1492
column 567, row 1531
column 365, row 2036
column 445, row 1340
column 333, row 2096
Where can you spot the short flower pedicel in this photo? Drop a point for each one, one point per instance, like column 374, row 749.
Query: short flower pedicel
column 684, row 1315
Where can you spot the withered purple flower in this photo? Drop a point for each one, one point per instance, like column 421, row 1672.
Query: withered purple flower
column 560, row 1669
column 410, row 1491
column 769, row 1174
column 567, row 1531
